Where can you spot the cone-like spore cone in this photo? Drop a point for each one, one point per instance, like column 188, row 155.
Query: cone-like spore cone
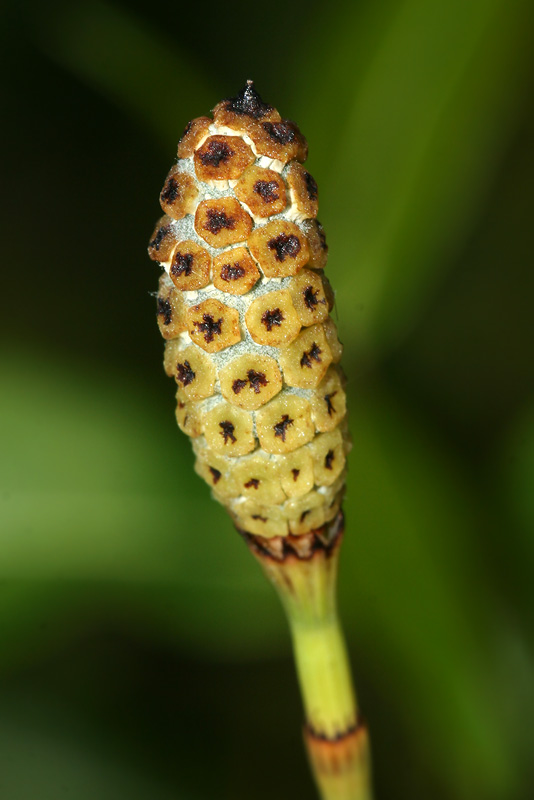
column 244, row 306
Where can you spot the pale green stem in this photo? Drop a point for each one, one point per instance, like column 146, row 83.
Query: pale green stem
column 324, row 674
column 335, row 735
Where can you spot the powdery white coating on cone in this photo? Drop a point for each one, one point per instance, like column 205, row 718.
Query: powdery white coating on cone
column 244, row 306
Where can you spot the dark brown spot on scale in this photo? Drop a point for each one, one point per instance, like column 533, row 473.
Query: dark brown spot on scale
column 184, row 373
column 227, row 431
column 253, row 483
column 280, row 429
column 187, row 129
column 296, row 473
column 209, row 327
column 164, row 310
column 267, row 190
column 159, row 237
column 329, row 405
column 170, row 191
column 328, row 459
column 215, row 474
column 310, row 297
column 215, row 153
column 258, row 516
column 256, row 380
column 280, row 132
column 249, row 103
column 311, row 186
column 232, row 272
column 218, row 220
column 182, row 264
column 284, row 246
column 304, row 515
column 313, row 354
column 238, row 384
column 272, row 317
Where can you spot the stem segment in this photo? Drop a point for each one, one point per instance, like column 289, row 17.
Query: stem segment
column 304, row 571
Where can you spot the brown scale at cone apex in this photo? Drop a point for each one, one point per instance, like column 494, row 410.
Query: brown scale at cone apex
column 249, row 103
column 244, row 308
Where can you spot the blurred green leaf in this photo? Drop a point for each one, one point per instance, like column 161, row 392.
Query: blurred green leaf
column 411, row 583
column 81, row 486
column 407, row 113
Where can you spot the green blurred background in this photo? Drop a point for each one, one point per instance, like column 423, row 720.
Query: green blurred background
column 142, row 654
